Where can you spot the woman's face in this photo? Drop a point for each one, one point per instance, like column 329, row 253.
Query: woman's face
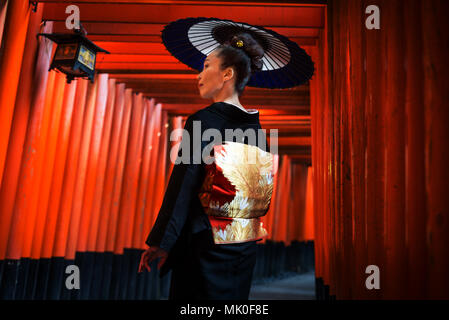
column 211, row 79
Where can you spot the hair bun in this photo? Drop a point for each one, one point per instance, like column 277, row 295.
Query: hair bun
column 251, row 47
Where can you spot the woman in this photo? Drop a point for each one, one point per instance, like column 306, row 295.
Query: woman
column 210, row 247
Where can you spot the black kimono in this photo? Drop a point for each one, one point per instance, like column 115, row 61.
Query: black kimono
column 208, row 262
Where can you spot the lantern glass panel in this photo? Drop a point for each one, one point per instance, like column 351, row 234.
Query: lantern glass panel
column 66, row 51
column 86, row 57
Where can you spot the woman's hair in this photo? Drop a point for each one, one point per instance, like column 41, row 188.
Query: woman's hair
column 246, row 59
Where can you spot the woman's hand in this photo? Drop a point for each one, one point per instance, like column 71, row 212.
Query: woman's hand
column 149, row 255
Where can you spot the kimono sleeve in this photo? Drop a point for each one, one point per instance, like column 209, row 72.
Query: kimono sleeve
column 184, row 184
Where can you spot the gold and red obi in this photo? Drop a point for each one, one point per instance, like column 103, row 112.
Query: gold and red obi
column 237, row 191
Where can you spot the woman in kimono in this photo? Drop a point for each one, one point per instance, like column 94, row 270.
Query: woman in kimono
column 209, row 222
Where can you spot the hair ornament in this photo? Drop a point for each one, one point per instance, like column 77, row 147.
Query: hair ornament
column 239, row 43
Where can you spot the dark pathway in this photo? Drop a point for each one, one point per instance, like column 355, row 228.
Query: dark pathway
column 295, row 287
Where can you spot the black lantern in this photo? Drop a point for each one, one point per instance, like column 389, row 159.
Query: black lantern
column 75, row 55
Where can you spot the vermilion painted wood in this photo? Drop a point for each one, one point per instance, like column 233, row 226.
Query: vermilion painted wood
column 38, row 186
column 436, row 91
column 136, row 226
column 335, row 156
column 151, row 211
column 285, row 209
column 280, row 220
column 75, row 232
column 132, row 47
column 328, row 174
column 176, row 124
column 92, row 163
column 317, row 113
column 19, row 127
column 348, row 198
column 98, row 222
column 161, row 162
column 329, row 169
column 415, row 188
column 310, row 16
column 149, row 76
column 132, row 170
column 98, row 218
column 356, row 86
column 301, row 41
column 145, row 194
column 295, row 214
column 99, row 29
column 60, row 158
column 308, row 230
column 300, row 232
column 3, row 9
column 375, row 155
column 300, row 3
column 117, row 66
column 142, row 189
column 130, row 176
column 372, row 155
column 156, row 159
column 113, row 235
column 22, row 224
column 314, row 106
column 280, row 224
column 13, row 43
column 108, row 201
column 43, row 185
column 70, row 171
column 394, row 94
column 141, row 58
column 320, row 167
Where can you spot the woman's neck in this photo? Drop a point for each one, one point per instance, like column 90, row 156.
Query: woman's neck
column 226, row 96
column 243, row 109
column 234, row 102
column 229, row 97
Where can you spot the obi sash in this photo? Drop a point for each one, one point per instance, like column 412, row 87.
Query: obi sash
column 237, row 191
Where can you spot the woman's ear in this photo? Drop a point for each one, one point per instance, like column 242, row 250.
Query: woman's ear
column 229, row 73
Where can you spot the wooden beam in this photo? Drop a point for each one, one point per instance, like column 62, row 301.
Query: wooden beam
column 283, row 3
column 297, row 16
column 154, row 29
